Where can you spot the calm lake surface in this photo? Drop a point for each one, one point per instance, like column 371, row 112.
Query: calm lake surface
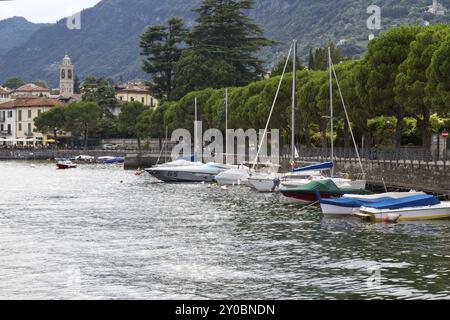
column 99, row 232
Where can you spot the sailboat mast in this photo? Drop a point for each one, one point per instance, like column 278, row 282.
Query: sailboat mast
column 195, row 131
column 294, row 87
column 331, row 109
column 226, row 124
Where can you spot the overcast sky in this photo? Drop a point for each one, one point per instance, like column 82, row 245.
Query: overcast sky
column 43, row 10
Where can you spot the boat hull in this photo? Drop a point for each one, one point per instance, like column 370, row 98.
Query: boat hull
column 232, row 177
column 437, row 212
column 308, row 197
column 264, row 185
column 328, row 209
column 181, row 176
column 61, row 166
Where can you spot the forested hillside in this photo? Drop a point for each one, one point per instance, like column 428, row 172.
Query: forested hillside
column 108, row 43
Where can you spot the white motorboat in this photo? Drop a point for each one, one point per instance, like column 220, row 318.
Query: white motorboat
column 434, row 212
column 349, row 202
column 194, row 173
column 179, row 163
column 234, row 176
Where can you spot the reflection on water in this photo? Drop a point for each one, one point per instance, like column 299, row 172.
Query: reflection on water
column 100, row 232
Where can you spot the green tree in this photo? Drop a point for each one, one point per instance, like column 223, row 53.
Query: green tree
column 225, row 32
column 377, row 77
column 13, row 83
column 320, row 59
column 128, row 119
column 278, row 69
column 151, row 123
column 100, row 91
column 438, row 87
column 412, row 80
column 310, row 60
column 52, row 120
column 82, row 118
column 161, row 46
column 41, row 83
column 76, row 85
column 195, row 71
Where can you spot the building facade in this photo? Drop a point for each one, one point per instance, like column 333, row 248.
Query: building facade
column 4, row 94
column 135, row 91
column 19, row 120
column 7, row 125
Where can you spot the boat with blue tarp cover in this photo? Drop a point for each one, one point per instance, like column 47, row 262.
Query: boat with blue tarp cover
column 406, row 209
column 349, row 202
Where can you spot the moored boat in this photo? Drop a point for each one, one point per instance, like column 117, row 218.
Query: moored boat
column 65, row 165
column 349, row 202
column 407, row 209
column 234, row 176
column 264, row 182
column 195, row 173
column 111, row 160
column 319, row 189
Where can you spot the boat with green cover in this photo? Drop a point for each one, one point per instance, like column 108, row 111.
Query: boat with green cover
column 319, row 189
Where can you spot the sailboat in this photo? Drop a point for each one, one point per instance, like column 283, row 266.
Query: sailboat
column 321, row 187
column 236, row 175
column 269, row 181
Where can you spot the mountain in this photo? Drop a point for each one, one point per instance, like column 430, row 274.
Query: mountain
column 108, row 42
column 15, row 32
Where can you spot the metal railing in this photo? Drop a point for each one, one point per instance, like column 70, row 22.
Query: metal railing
column 399, row 154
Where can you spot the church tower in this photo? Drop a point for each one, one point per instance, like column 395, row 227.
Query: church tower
column 66, row 78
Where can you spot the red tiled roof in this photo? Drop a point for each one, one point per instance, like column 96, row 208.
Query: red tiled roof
column 30, row 87
column 31, row 102
column 133, row 87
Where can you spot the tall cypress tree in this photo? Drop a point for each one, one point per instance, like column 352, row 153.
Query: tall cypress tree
column 224, row 32
column 161, row 46
column 311, row 60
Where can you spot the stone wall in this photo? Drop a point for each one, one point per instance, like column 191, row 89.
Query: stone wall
column 430, row 177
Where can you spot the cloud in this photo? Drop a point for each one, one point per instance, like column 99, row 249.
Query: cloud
column 43, row 10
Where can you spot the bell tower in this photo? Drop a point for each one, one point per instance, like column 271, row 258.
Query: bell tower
column 66, row 78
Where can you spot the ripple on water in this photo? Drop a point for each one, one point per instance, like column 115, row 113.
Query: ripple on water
column 101, row 232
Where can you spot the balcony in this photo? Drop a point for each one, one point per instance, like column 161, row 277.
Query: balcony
column 28, row 134
column 6, row 132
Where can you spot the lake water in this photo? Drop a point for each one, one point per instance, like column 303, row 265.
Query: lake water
column 99, row 232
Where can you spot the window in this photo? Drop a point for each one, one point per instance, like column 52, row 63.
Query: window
column 63, row 74
column 9, row 128
column 29, row 128
column 20, row 127
column 29, row 114
column 152, row 102
column 132, row 99
column 121, row 98
column 39, row 111
column 20, row 115
column 9, row 114
column 143, row 100
column 1, row 127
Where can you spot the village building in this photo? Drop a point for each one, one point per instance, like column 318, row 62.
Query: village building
column 18, row 121
column 4, row 94
column 30, row 90
column 7, row 124
column 135, row 91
